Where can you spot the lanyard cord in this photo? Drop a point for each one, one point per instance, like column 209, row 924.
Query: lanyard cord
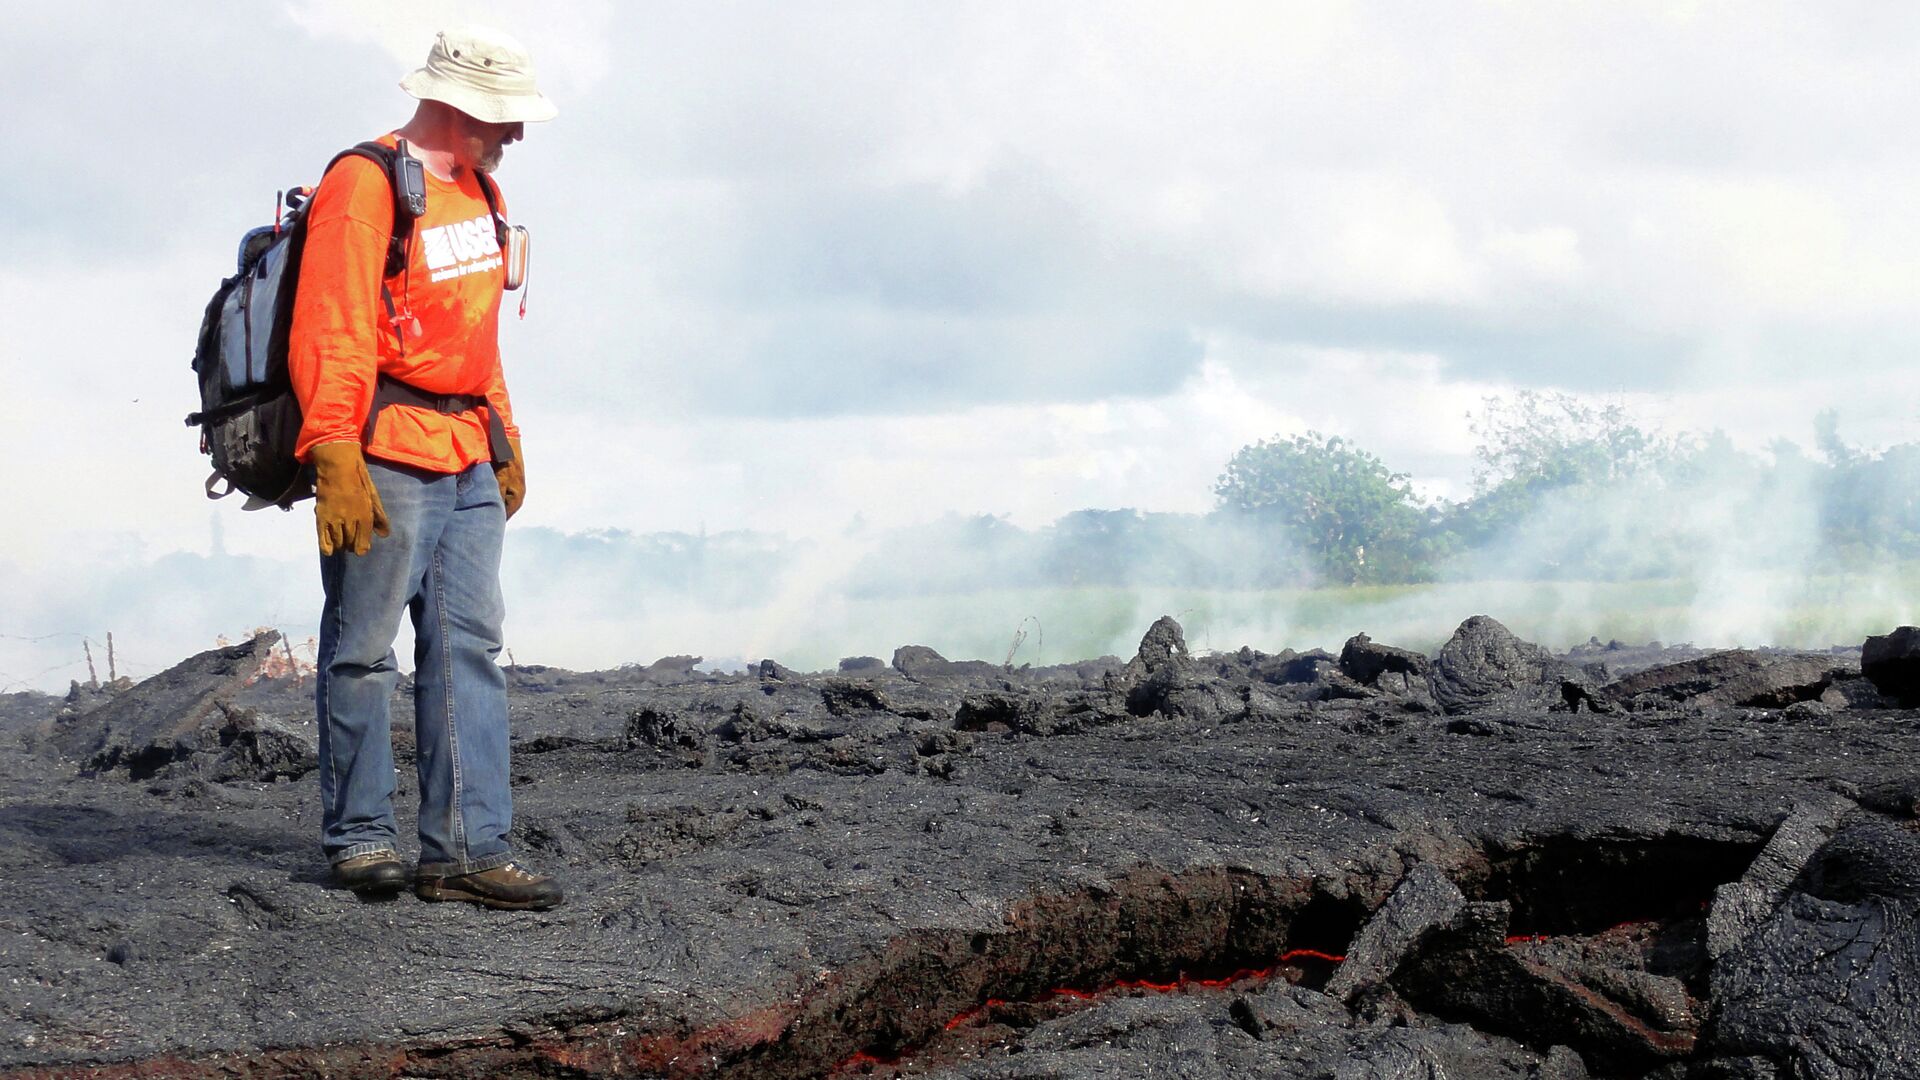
column 526, row 285
column 406, row 282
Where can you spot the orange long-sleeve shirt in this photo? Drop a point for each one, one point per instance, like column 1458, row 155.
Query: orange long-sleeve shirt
column 341, row 339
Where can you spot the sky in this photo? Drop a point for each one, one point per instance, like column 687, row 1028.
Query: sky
column 802, row 268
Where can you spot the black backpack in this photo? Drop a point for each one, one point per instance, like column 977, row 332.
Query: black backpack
column 249, row 418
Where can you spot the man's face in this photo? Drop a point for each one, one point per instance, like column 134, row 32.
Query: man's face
column 483, row 143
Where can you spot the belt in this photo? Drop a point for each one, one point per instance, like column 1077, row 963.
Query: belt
column 391, row 391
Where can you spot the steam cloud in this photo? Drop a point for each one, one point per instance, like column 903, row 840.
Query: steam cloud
column 1725, row 555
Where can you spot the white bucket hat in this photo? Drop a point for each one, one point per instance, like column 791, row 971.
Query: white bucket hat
column 483, row 73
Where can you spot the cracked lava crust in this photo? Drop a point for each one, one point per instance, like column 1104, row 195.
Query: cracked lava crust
column 1493, row 862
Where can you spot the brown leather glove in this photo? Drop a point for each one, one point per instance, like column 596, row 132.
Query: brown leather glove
column 513, row 479
column 346, row 506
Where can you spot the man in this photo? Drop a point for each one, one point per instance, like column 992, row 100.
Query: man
column 417, row 469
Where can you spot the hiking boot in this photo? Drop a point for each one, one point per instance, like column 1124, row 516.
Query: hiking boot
column 510, row 886
column 374, row 872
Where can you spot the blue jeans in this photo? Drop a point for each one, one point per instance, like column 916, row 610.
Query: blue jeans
column 442, row 565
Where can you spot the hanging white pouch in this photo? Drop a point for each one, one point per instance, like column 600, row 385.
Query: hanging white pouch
column 518, row 241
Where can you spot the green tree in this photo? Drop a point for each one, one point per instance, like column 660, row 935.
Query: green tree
column 1870, row 503
column 1826, row 436
column 1355, row 520
column 1558, row 439
column 1538, row 443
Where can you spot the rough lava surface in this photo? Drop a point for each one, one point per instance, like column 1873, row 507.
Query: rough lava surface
column 1495, row 862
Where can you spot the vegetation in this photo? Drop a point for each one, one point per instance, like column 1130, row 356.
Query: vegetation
column 1540, row 444
column 1568, row 491
column 1354, row 520
column 1563, row 491
column 1872, row 501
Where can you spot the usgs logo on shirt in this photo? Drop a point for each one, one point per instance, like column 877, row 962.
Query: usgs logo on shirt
column 464, row 247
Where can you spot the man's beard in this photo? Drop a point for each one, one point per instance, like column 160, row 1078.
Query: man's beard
column 490, row 160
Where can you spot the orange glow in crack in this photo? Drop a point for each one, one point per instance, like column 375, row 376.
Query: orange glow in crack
column 865, row 1059
column 1536, row 939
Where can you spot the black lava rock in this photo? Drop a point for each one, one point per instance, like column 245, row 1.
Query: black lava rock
column 1483, row 666
column 1737, row 677
column 172, row 722
column 1892, row 661
column 1227, row 864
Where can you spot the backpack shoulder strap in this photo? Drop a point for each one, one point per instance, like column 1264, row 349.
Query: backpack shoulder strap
column 492, row 195
column 378, row 153
column 387, row 158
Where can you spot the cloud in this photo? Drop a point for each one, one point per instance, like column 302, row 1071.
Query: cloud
column 798, row 264
column 569, row 41
column 757, row 187
column 1470, row 184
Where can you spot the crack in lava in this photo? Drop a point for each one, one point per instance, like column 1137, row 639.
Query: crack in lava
column 867, row 1060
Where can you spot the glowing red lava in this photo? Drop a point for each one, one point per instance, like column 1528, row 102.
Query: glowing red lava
column 864, row 1059
column 1629, row 925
